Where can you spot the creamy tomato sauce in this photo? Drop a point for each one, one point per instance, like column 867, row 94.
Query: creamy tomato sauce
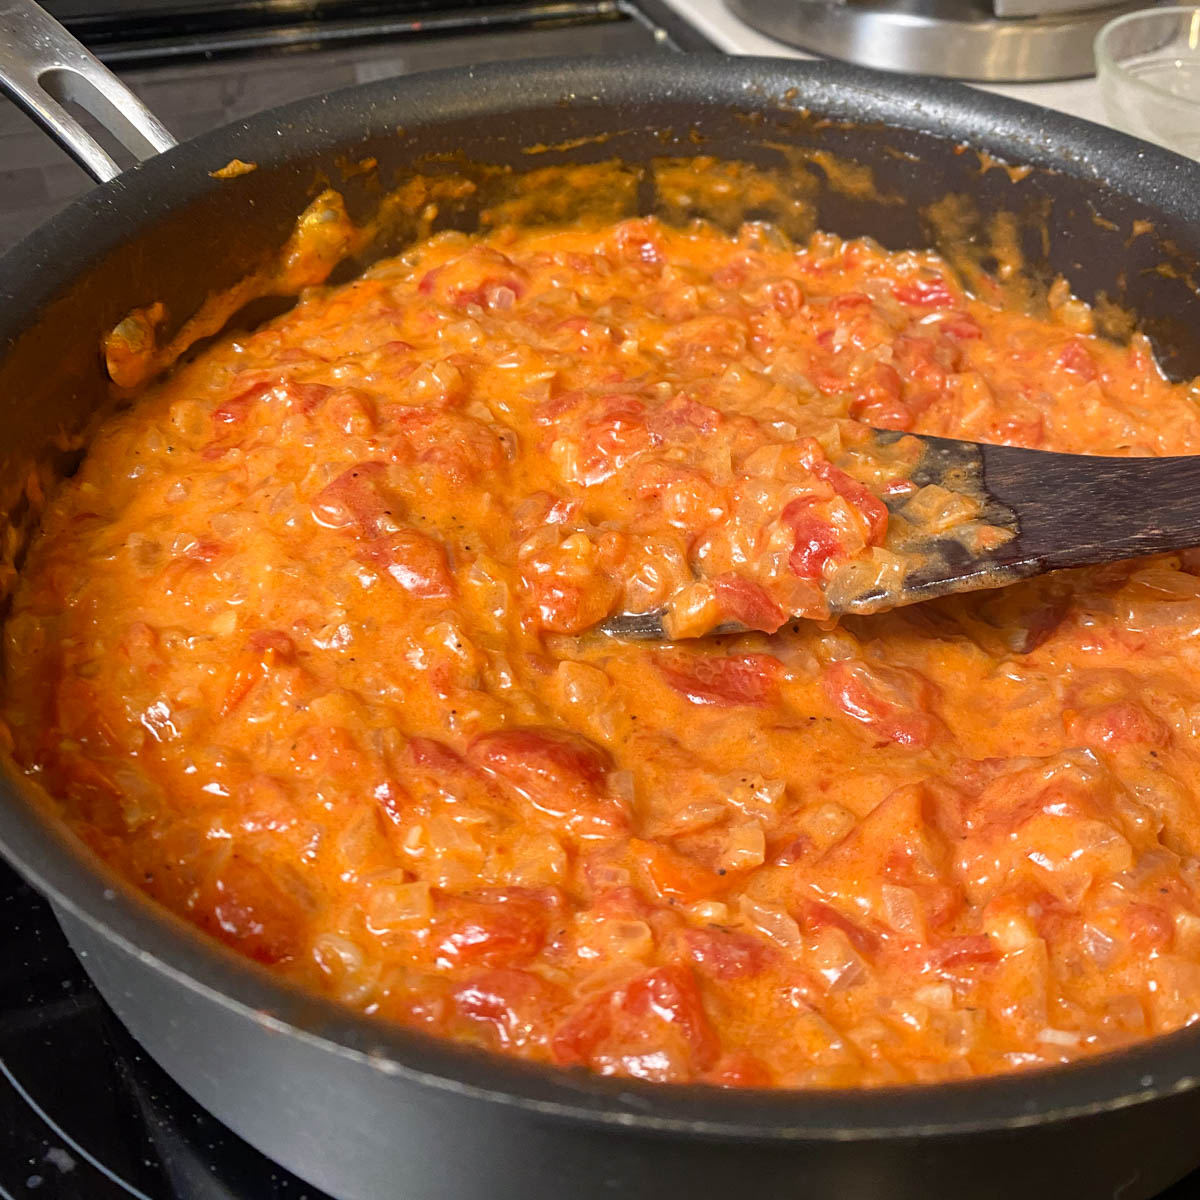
column 302, row 649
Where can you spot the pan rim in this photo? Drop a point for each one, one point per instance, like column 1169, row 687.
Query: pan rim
column 74, row 880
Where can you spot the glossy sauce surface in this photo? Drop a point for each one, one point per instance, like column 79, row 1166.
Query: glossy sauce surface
column 302, row 650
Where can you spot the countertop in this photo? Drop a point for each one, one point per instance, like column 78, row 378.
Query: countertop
column 1079, row 97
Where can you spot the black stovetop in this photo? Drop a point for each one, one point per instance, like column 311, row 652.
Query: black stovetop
column 199, row 64
column 84, row 1114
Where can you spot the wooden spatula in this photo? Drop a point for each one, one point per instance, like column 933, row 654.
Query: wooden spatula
column 1052, row 511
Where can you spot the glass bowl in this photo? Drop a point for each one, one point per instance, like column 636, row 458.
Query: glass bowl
column 1148, row 64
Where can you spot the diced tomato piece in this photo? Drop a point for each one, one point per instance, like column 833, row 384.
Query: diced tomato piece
column 673, row 876
column 741, row 1069
column 246, row 908
column 960, row 326
column 785, row 296
column 561, row 775
column 354, row 498
column 722, row 679
column 230, row 415
column 206, row 551
column 1076, row 358
column 925, row 293
column 492, row 293
column 564, row 607
column 491, row 927
column 961, row 951
column 849, row 302
column 515, row 1005
column 615, row 435
column 306, row 398
column 815, row 915
column 654, row 1027
column 917, row 362
column 236, row 409
column 637, row 241
column 1123, row 723
column 730, row 275
column 746, row 602
column 892, row 702
column 816, row 541
column 682, row 415
column 725, row 954
column 877, row 399
column 416, row 562
column 429, row 752
column 265, row 649
column 873, row 510
column 272, row 645
column 623, row 903
column 1149, row 927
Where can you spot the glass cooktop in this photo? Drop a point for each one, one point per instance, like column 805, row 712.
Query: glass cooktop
column 84, row 1114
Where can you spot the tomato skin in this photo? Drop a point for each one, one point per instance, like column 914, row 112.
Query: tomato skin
column 722, row 680
column 491, row 927
column 961, row 951
column 607, row 1031
column 925, row 293
column 414, row 561
column 816, row 541
column 1123, row 723
column 1077, row 359
column 816, row 914
column 874, row 511
column 245, row 908
column 562, row 776
column 746, row 602
column 512, row 1004
column 354, row 500
column 723, row 954
column 876, row 697
column 236, row 409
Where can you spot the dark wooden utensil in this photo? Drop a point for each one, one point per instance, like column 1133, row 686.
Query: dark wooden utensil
column 1062, row 510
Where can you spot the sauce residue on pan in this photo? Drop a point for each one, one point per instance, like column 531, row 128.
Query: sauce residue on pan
column 301, row 650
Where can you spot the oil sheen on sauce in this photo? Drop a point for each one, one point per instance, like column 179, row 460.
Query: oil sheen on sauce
column 302, row 649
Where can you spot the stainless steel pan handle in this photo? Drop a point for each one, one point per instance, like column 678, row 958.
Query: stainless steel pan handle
column 42, row 67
